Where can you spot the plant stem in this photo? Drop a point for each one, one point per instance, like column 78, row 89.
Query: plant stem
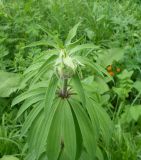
column 65, row 85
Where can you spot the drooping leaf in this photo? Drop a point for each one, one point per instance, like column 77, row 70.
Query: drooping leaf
column 79, row 88
column 28, row 94
column 55, row 139
column 30, row 118
column 41, row 138
column 51, row 92
column 33, row 134
column 28, row 103
column 87, row 131
column 100, row 120
column 68, row 133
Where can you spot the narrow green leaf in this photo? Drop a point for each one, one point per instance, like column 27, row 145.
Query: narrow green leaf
column 41, row 138
column 28, row 94
column 44, row 68
column 69, row 135
column 40, row 43
column 33, row 67
column 55, row 139
column 86, row 128
column 34, row 133
column 50, row 92
column 28, row 103
column 30, row 118
column 100, row 120
column 71, row 34
column 82, row 47
column 74, row 44
column 79, row 88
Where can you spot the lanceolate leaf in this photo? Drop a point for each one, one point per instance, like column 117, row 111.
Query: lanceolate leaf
column 51, row 92
column 44, row 68
column 74, row 44
column 79, row 88
column 87, row 131
column 55, row 139
column 41, row 138
column 49, row 98
column 61, row 141
column 40, row 63
column 34, row 132
column 28, row 94
column 68, row 133
column 82, row 47
column 29, row 102
column 40, row 43
column 72, row 34
column 31, row 117
column 100, row 120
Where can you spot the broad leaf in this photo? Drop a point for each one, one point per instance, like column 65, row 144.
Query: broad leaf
column 9, row 83
column 9, row 158
column 107, row 57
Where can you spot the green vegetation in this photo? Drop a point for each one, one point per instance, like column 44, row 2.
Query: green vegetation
column 70, row 80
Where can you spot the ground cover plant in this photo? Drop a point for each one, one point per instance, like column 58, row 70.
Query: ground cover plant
column 70, row 80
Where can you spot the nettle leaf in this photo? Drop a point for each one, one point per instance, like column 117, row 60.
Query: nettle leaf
column 107, row 57
column 9, row 83
column 137, row 86
column 132, row 113
column 72, row 34
column 9, row 158
column 125, row 74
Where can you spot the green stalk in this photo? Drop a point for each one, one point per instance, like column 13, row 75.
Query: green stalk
column 65, row 86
